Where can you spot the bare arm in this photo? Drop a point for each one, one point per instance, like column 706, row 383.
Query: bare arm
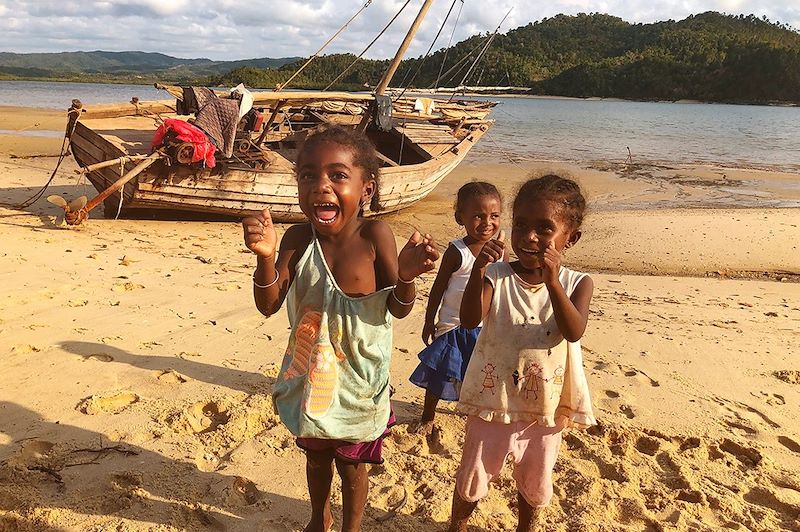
column 451, row 261
column 269, row 300
column 478, row 293
column 417, row 256
column 572, row 313
column 477, row 299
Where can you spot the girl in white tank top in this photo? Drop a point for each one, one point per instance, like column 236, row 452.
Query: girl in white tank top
column 443, row 362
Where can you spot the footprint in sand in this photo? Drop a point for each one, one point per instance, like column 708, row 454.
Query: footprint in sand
column 100, row 357
column 772, row 399
column 35, row 450
column 206, row 417
column 789, row 443
column 170, row 376
column 792, row 376
column 441, row 442
column 647, row 445
column 24, row 349
column 98, row 404
column 628, row 371
column 640, row 375
column 240, row 491
column 628, row 411
column 741, row 425
column 743, row 417
column 746, row 455
column 127, row 481
column 126, row 287
column 783, row 501
column 613, row 401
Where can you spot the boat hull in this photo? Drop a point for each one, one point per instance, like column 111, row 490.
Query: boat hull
column 228, row 190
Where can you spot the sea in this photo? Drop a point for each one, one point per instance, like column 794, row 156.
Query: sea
column 560, row 129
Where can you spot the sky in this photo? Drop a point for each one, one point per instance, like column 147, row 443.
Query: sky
column 230, row 30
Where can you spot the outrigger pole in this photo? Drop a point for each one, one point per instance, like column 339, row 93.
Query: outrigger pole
column 387, row 77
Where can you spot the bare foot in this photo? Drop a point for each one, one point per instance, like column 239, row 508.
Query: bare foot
column 423, row 428
column 313, row 527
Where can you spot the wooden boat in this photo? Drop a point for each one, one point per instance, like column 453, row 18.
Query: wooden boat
column 418, row 149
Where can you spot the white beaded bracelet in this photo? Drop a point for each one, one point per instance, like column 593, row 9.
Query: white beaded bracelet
column 404, row 303
column 404, row 281
column 277, row 276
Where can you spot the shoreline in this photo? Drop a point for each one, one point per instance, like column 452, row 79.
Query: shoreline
column 480, row 94
column 18, row 125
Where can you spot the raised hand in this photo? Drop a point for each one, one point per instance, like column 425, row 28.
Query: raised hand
column 551, row 263
column 259, row 234
column 492, row 251
column 418, row 256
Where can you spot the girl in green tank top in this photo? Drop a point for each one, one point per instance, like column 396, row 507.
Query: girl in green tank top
column 343, row 281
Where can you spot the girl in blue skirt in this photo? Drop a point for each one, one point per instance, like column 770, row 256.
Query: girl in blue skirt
column 443, row 362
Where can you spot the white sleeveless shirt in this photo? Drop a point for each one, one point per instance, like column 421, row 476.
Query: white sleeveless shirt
column 449, row 318
column 522, row 368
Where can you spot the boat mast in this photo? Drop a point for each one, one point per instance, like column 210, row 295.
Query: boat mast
column 387, row 77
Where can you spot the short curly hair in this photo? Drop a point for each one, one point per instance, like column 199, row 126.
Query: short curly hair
column 364, row 153
column 475, row 189
column 561, row 190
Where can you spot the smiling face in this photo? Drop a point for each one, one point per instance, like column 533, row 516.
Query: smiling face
column 536, row 223
column 480, row 216
column 331, row 187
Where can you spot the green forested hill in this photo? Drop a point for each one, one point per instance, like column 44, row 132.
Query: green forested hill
column 100, row 65
column 709, row 56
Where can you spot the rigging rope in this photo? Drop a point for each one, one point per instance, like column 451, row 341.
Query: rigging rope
column 283, row 85
column 64, row 152
column 460, row 61
column 422, row 62
column 346, row 70
column 449, row 43
column 480, row 55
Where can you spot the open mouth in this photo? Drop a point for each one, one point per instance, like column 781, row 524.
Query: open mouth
column 326, row 213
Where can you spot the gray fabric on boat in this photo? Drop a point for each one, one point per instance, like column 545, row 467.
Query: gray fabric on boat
column 383, row 112
column 218, row 117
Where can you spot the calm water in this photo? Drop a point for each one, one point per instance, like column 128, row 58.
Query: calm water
column 557, row 129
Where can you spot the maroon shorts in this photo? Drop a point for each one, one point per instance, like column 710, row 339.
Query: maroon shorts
column 363, row 452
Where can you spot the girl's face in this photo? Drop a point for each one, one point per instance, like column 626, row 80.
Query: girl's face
column 535, row 225
column 480, row 216
column 331, row 187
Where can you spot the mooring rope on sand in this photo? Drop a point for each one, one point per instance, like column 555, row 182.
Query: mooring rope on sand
column 64, row 152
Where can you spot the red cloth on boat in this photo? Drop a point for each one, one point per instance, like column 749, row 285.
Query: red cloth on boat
column 203, row 147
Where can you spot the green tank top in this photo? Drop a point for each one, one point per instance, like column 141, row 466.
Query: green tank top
column 334, row 380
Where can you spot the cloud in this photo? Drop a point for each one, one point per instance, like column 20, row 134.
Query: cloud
column 230, row 29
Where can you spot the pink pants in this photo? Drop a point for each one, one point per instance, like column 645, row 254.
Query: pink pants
column 533, row 447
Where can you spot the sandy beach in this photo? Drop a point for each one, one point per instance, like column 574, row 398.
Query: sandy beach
column 136, row 371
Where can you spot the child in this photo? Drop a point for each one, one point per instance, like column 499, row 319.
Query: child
column 343, row 281
column 443, row 363
column 525, row 382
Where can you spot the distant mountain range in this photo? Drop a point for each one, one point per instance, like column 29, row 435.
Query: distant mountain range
column 125, row 65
